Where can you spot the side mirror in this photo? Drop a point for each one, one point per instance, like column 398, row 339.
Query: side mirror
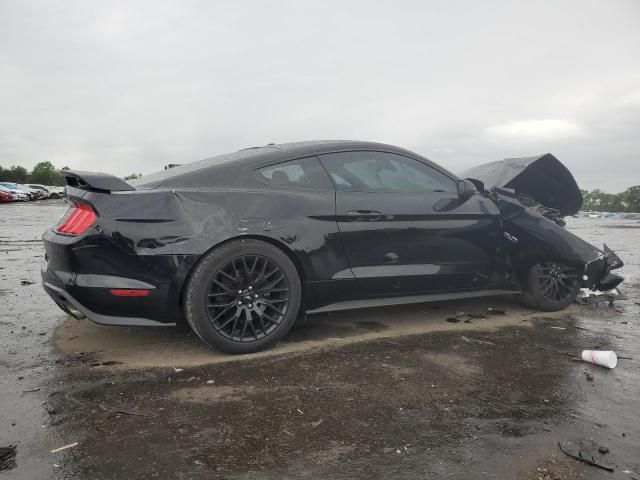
column 478, row 184
column 466, row 189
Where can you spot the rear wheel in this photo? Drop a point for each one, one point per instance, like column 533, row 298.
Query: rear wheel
column 243, row 297
column 551, row 286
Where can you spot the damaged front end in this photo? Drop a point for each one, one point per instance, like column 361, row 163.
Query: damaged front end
column 534, row 194
column 534, row 238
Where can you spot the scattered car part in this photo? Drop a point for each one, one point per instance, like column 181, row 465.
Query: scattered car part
column 580, row 458
column 591, row 297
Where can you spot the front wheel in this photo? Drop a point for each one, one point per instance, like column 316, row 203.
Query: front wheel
column 243, row 296
column 551, row 286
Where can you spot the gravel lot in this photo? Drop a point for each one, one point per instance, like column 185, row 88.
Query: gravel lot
column 380, row 393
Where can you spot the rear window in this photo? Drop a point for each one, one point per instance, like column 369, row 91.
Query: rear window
column 301, row 173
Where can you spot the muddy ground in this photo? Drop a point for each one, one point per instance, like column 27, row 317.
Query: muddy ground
column 380, row 393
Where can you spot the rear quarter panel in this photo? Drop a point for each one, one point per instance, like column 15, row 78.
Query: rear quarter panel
column 191, row 222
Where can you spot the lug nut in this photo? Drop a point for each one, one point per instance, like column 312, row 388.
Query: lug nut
column 250, row 288
column 250, row 305
column 255, row 296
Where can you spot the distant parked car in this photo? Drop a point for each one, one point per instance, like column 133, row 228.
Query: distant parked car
column 45, row 192
column 56, row 192
column 23, row 195
column 16, row 196
column 32, row 192
column 6, row 196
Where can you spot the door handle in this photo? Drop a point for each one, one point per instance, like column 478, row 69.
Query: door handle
column 370, row 215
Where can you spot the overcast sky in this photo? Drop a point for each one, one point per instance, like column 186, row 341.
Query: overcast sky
column 130, row 86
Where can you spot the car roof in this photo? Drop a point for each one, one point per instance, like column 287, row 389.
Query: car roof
column 256, row 157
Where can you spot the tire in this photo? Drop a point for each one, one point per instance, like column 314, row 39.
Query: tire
column 550, row 286
column 243, row 296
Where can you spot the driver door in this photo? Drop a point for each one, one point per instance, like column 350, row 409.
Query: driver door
column 404, row 228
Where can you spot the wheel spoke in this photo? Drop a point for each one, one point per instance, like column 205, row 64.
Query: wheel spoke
column 273, row 284
column 262, row 326
column 228, row 321
column 224, row 287
column 270, row 305
column 253, row 330
column 233, row 279
column 277, row 290
column 220, row 305
column 247, row 321
column 220, row 294
column 245, row 268
column 220, row 314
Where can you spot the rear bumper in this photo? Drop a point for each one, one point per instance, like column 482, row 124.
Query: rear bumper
column 82, row 270
column 73, row 307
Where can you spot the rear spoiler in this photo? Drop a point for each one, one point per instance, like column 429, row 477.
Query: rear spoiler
column 95, row 181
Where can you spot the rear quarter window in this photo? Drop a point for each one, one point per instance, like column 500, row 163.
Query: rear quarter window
column 300, row 173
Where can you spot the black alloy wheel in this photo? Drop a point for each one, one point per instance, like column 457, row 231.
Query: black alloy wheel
column 247, row 298
column 551, row 286
column 243, row 296
column 557, row 281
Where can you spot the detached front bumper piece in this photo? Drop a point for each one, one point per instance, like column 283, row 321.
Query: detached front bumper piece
column 607, row 280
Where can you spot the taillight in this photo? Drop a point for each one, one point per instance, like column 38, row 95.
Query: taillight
column 79, row 217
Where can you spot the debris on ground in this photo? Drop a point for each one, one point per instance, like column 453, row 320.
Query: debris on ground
column 318, row 388
column 8, row 457
column 588, row 461
column 467, row 317
column 316, row 424
column 603, row 450
column 26, row 282
column 604, row 358
column 497, row 310
column 125, row 412
column 59, row 449
column 593, row 297
column 473, row 340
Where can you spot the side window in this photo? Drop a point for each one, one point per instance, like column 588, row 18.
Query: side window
column 384, row 172
column 301, row 173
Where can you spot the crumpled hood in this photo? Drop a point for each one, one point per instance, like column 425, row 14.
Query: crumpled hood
column 543, row 177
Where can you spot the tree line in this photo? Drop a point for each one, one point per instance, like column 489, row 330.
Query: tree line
column 599, row 201
column 44, row 173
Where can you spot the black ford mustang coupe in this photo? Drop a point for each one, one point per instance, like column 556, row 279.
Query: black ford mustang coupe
column 238, row 245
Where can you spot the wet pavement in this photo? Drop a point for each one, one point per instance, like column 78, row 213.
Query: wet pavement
column 380, row 393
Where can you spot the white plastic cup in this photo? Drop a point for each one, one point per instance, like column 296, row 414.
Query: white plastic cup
column 604, row 358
